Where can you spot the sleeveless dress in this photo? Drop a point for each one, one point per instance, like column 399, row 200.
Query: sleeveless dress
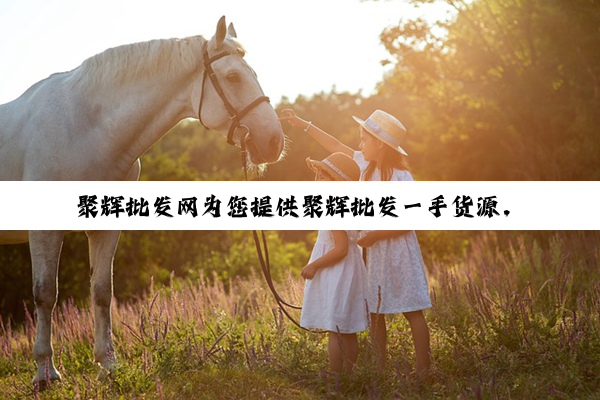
column 335, row 298
column 397, row 175
column 395, row 265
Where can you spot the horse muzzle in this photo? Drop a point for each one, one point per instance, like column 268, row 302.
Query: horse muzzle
column 260, row 150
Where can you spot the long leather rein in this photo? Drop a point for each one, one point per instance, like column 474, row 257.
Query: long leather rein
column 266, row 268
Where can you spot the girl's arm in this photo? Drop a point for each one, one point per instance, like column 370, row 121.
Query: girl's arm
column 375, row 236
column 339, row 251
column 331, row 144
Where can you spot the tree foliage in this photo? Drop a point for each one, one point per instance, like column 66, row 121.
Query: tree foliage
column 143, row 257
column 507, row 90
column 146, row 257
column 504, row 90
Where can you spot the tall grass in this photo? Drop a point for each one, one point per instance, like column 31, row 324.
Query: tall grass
column 525, row 318
column 510, row 320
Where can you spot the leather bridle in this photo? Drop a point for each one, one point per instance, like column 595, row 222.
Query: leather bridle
column 235, row 116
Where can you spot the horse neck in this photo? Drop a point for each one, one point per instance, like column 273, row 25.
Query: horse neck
column 137, row 110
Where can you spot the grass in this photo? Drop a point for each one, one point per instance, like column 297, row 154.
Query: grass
column 515, row 321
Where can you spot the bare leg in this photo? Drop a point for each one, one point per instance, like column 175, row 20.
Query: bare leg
column 103, row 245
column 420, row 333
column 343, row 352
column 45, row 247
column 351, row 346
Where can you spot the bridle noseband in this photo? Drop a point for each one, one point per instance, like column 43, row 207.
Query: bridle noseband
column 235, row 116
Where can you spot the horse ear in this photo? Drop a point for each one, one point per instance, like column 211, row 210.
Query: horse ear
column 221, row 31
column 231, row 30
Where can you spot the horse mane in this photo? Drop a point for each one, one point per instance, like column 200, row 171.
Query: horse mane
column 131, row 63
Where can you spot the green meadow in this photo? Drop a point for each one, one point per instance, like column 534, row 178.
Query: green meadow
column 510, row 319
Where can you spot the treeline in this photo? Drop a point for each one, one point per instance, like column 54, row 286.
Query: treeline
column 503, row 91
column 143, row 257
column 146, row 257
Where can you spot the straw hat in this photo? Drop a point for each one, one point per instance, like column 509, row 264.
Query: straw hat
column 339, row 166
column 386, row 128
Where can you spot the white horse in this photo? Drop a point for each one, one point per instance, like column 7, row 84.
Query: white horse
column 94, row 122
column 45, row 248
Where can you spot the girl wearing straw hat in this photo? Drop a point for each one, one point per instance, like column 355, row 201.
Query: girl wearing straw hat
column 336, row 167
column 334, row 295
column 397, row 282
column 380, row 157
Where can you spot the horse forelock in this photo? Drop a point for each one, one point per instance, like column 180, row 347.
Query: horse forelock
column 238, row 47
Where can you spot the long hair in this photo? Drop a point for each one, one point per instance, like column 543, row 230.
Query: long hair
column 390, row 160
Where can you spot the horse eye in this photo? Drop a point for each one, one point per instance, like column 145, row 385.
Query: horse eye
column 233, row 77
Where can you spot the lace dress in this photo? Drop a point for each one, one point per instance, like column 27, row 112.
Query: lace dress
column 396, row 266
column 334, row 299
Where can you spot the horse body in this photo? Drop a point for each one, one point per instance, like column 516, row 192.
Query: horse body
column 94, row 122
column 45, row 248
column 14, row 237
column 54, row 133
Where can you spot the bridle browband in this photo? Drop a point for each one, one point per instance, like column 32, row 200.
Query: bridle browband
column 235, row 116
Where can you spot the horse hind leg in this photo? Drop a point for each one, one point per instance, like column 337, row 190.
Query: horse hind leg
column 45, row 247
column 103, row 245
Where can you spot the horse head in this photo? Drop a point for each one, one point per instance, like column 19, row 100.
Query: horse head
column 232, row 101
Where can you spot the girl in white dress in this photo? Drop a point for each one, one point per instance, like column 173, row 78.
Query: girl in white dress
column 397, row 284
column 380, row 157
column 335, row 290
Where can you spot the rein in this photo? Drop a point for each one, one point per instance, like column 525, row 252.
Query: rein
column 266, row 268
column 233, row 114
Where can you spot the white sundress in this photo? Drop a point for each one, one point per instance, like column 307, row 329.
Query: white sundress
column 397, row 175
column 396, row 266
column 335, row 298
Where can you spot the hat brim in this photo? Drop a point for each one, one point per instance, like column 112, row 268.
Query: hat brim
column 317, row 166
column 372, row 132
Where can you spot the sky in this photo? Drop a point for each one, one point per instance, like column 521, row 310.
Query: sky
column 296, row 47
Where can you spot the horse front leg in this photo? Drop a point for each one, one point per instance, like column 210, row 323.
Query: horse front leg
column 45, row 247
column 103, row 245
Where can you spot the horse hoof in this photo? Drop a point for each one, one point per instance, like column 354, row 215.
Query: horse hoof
column 40, row 383
column 109, row 365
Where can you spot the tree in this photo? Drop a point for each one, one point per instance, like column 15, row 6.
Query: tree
column 504, row 90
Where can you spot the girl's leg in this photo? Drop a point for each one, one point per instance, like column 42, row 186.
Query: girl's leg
column 379, row 338
column 351, row 347
column 335, row 353
column 343, row 351
column 420, row 333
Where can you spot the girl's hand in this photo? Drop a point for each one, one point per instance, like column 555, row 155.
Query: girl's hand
column 309, row 272
column 368, row 239
column 294, row 120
